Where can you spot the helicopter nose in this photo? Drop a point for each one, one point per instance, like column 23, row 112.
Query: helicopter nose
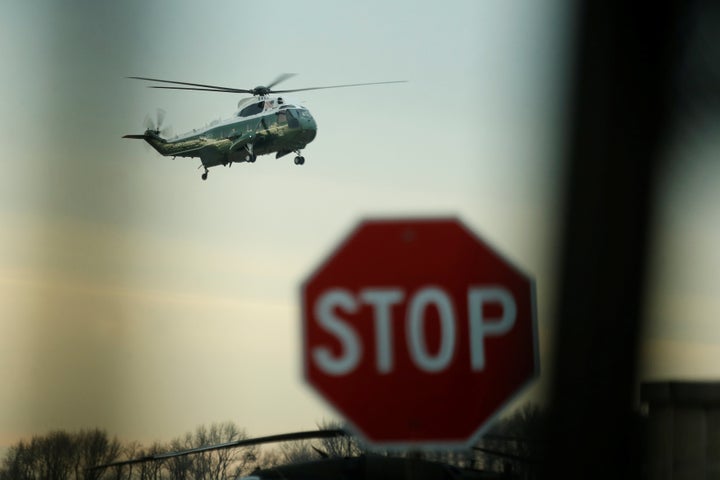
column 308, row 127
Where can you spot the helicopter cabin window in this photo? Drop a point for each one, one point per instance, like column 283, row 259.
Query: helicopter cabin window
column 282, row 117
column 253, row 109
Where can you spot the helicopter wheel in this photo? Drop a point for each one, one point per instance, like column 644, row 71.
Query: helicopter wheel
column 204, row 176
column 299, row 160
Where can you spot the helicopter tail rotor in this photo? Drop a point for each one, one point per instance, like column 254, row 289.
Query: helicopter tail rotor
column 155, row 134
column 155, row 127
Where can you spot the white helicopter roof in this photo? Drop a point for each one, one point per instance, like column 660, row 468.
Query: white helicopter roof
column 254, row 105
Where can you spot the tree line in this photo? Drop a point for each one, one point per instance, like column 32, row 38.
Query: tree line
column 62, row 455
column 512, row 445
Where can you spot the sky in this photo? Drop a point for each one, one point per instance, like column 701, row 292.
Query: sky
column 137, row 298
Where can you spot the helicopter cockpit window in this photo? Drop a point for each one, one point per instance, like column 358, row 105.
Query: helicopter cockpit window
column 253, row 109
column 292, row 120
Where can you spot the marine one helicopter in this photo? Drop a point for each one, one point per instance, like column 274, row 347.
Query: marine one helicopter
column 262, row 125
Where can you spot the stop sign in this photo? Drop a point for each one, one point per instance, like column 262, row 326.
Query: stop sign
column 418, row 332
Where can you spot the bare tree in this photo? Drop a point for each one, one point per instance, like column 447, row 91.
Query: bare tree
column 298, row 451
column 515, row 443
column 18, row 463
column 55, row 453
column 344, row 446
column 269, row 457
column 49, row 456
column 94, row 447
column 125, row 472
column 69, row 456
column 229, row 463
column 60, row 455
column 151, row 470
column 214, row 464
column 180, row 468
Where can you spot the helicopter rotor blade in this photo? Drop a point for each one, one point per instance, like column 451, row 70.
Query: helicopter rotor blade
column 337, row 86
column 259, row 90
column 211, row 87
column 148, row 123
column 233, row 90
column 156, row 124
column 160, row 116
column 280, row 78
column 283, row 437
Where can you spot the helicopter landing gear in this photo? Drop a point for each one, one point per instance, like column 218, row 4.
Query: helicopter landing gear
column 299, row 159
column 205, row 174
column 250, row 156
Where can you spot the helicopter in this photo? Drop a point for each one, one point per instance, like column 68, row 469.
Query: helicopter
column 263, row 124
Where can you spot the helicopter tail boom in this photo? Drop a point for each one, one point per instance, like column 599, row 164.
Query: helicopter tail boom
column 154, row 140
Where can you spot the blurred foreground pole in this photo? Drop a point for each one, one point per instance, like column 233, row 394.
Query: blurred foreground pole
column 619, row 115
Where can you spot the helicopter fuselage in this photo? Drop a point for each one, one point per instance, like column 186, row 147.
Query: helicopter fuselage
column 260, row 126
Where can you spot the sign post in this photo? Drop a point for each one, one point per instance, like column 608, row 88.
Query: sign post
column 418, row 332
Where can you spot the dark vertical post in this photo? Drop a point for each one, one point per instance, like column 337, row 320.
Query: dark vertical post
column 619, row 111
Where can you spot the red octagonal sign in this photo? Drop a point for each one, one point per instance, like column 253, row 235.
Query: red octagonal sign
column 418, row 332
